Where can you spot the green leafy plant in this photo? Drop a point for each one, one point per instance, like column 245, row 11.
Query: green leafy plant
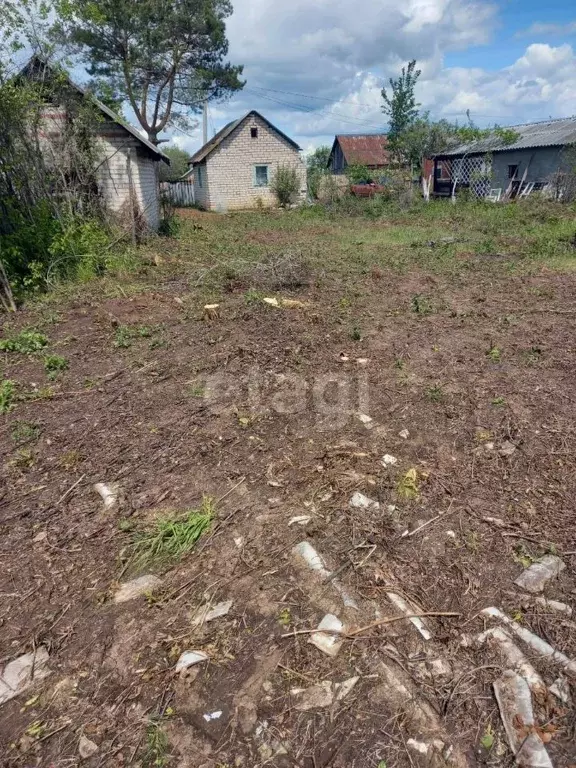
column 7, row 393
column 356, row 333
column 494, row 353
column 421, row 305
column 498, row 401
column 487, row 739
column 25, row 343
column 435, row 393
column 55, row 364
column 285, row 184
column 25, row 432
column 156, row 750
column 171, row 537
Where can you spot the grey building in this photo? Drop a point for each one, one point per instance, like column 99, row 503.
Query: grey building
column 489, row 164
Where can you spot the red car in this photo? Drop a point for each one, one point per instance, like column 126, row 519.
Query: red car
column 367, row 189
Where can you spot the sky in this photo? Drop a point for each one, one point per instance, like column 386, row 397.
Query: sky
column 316, row 68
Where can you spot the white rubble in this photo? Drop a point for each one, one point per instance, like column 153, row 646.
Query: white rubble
column 190, row 658
column 205, row 614
column 388, row 460
column 86, row 748
column 561, row 689
column 136, row 588
column 405, row 608
column 306, row 552
column 502, row 640
column 368, row 421
column 108, row 493
column 322, row 695
column 404, row 434
column 21, row 673
column 299, row 520
column 417, row 746
column 536, row 643
column 553, row 605
column 535, row 578
column 324, row 640
column 515, row 705
column 360, row 501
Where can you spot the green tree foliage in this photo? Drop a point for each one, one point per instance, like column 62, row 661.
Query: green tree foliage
column 163, row 57
column 317, row 167
column 178, row 164
column 23, row 24
column 359, row 174
column 400, row 105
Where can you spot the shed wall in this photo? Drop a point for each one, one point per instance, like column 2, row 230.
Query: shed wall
column 540, row 161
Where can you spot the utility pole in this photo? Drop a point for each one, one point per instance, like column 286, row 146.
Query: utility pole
column 205, row 121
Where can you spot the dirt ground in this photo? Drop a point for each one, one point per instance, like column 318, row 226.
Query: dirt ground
column 464, row 361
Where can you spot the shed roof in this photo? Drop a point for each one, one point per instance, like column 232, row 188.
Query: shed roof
column 38, row 64
column 364, row 149
column 219, row 137
column 549, row 133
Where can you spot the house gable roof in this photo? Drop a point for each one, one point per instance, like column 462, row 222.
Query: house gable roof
column 363, row 149
column 37, row 64
column 228, row 129
column 549, row 133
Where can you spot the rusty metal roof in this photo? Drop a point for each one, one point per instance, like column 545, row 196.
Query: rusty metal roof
column 549, row 133
column 364, row 149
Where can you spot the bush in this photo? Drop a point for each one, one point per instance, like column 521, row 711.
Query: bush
column 285, row 185
column 359, row 174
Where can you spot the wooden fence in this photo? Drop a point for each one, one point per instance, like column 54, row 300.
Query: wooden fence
column 181, row 193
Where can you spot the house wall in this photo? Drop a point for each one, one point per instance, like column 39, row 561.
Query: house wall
column 337, row 160
column 229, row 169
column 201, row 192
column 114, row 146
column 540, row 161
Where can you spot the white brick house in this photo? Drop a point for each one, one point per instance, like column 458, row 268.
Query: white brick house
column 127, row 163
column 234, row 170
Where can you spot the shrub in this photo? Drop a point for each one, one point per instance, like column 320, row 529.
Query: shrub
column 358, row 174
column 285, row 184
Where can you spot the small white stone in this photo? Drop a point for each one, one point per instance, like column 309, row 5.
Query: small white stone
column 213, row 715
column 136, row 588
column 388, row 460
column 404, row 434
column 417, row 746
column 189, row 659
column 86, row 748
column 205, row 614
column 360, row 501
column 368, row 421
column 300, row 520
column 41, row 536
column 17, row 675
column 328, row 643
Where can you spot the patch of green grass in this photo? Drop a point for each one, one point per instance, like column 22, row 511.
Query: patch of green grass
column 7, row 395
column 24, row 343
column 55, row 364
column 171, row 537
column 421, row 305
column 25, row 432
column 533, row 355
column 356, row 333
column 435, row 393
column 156, row 750
column 126, row 525
column 125, row 334
column 494, row 353
column 498, row 401
column 197, row 389
column 252, row 296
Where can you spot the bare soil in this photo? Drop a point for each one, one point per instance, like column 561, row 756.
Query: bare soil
column 477, row 364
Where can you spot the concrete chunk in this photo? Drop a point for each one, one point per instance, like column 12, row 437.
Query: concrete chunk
column 136, row 588
column 535, row 578
column 22, row 673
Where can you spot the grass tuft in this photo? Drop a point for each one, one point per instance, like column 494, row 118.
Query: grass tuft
column 25, row 342
column 170, row 538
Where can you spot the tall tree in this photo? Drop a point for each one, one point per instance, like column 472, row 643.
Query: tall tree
column 400, row 105
column 165, row 57
column 178, row 164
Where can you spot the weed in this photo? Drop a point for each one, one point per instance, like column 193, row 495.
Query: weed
column 533, row 355
column 487, row 739
column 522, row 556
column 356, row 333
column 435, row 393
column 285, row 617
column 421, row 305
column 122, row 337
column 25, row 342
column 156, row 752
column 399, row 363
column 170, row 538
column 126, row 525
column 253, row 296
column 43, row 393
column 70, row 459
column 7, row 393
column 498, row 401
column 23, row 459
column 25, row 432
column 494, row 353
column 472, row 541
column 407, row 487
column 197, row 389
column 55, row 364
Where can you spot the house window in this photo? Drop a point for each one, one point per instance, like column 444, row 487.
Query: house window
column 261, row 175
column 512, row 171
column 254, row 132
column 199, row 176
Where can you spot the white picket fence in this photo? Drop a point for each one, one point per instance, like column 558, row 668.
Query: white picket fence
column 179, row 192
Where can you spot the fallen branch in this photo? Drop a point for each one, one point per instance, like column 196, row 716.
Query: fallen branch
column 378, row 623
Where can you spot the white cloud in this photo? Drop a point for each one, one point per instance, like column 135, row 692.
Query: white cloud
column 317, row 67
column 541, row 28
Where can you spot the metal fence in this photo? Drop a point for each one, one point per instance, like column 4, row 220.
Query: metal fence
column 180, row 192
